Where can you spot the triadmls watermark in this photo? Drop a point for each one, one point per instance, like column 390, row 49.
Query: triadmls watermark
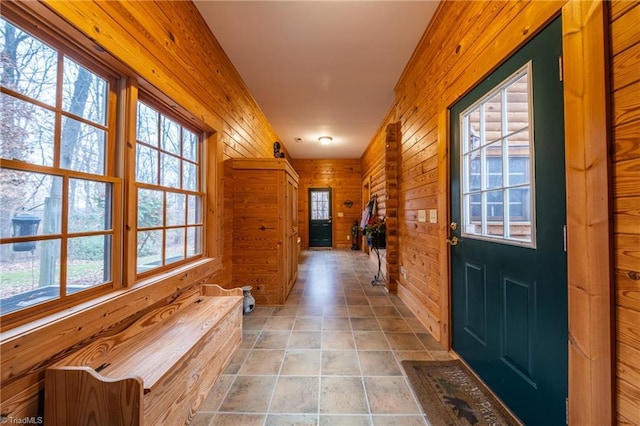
column 33, row 420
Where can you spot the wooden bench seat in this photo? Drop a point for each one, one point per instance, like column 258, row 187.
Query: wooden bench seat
column 156, row 371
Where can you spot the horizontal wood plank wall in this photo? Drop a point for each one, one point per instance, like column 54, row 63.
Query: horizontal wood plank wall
column 343, row 177
column 464, row 43
column 169, row 45
column 625, row 75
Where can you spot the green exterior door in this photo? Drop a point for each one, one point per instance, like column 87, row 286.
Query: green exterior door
column 508, row 259
column 320, row 228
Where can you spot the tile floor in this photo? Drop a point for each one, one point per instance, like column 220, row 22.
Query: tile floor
column 330, row 356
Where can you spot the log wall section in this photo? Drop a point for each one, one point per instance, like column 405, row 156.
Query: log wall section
column 343, row 177
column 625, row 122
column 170, row 48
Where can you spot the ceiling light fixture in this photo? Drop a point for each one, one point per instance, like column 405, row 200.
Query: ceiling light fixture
column 325, row 140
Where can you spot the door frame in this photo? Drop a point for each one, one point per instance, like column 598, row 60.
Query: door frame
column 308, row 208
column 591, row 369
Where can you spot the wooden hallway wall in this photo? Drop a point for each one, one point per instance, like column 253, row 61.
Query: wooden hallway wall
column 624, row 44
column 343, row 177
column 169, row 47
column 464, row 43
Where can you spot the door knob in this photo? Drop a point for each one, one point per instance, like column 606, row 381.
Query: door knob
column 453, row 241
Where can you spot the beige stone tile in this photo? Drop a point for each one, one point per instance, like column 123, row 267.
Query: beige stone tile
column 441, row 355
column 262, row 362
column 378, row 363
column 413, row 356
column 386, row 311
column 360, row 311
column 342, row 395
column 340, row 363
column 272, row 339
column 404, row 341
column 301, row 362
column 370, row 340
column 415, row 325
column 229, row 419
column 217, row 393
column 335, row 311
column 249, row 338
column 260, row 311
column 279, row 323
column 399, row 421
column 295, row 394
column 365, row 324
column 390, row 395
column 345, row 420
column 291, row 420
column 429, row 342
column 251, row 322
column 336, row 340
column 357, row 300
column 310, row 310
column 336, row 324
column 307, row 323
column 379, row 301
column 397, row 325
column 236, row 361
column 305, row 340
column 286, row 311
column 249, row 394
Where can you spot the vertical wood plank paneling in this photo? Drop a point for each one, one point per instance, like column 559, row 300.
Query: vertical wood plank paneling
column 343, row 177
column 625, row 97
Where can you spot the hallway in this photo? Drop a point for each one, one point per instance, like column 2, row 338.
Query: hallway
column 330, row 356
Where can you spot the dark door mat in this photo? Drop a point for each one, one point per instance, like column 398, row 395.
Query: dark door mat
column 451, row 395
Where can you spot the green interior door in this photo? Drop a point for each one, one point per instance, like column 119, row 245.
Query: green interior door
column 320, row 227
column 508, row 259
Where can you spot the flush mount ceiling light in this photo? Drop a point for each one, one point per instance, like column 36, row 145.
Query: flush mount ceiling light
column 325, row 140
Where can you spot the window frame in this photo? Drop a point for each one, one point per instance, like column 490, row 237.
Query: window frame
column 64, row 49
column 124, row 87
column 480, row 151
column 139, row 95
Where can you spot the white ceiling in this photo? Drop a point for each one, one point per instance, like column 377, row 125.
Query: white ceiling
column 320, row 67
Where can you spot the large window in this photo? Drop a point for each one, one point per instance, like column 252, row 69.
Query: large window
column 57, row 234
column 168, row 185
column 497, row 160
column 64, row 162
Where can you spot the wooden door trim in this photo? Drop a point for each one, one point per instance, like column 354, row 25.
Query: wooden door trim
column 589, row 218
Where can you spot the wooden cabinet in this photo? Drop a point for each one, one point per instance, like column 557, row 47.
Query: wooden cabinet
column 265, row 228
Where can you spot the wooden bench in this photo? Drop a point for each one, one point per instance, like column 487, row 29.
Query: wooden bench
column 156, row 371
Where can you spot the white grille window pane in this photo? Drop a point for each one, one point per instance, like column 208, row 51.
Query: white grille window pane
column 497, row 160
column 493, row 118
column 518, row 104
column 319, row 205
column 472, row 132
